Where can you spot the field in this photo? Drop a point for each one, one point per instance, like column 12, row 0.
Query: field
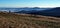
column 11, row 20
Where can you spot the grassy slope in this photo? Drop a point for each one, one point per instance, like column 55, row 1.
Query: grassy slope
column 9, row 20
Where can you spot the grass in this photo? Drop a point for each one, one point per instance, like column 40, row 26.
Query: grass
column 11, row 20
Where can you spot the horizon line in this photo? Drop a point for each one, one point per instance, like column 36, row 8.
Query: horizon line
column 27, row 7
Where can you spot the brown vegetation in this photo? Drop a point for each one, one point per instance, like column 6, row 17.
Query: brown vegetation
column 10, row 20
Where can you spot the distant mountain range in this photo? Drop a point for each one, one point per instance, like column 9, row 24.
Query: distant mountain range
column 22, row 9
column 36, row 10
column 48, row 12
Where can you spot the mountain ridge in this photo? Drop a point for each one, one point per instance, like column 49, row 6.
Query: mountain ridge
column 48, row 12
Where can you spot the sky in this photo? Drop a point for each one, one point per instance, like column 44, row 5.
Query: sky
column 29, row 3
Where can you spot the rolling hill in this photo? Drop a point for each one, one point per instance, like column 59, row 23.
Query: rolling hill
column 54, row 12
column 22, row 9
column 14, row 20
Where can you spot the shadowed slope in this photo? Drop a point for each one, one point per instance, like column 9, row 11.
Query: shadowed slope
column 48, row 12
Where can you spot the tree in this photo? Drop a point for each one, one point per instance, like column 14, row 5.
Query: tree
column 9, row 11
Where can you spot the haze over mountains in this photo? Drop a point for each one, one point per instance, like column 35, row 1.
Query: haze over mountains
column 36, row 10
column 21, row 9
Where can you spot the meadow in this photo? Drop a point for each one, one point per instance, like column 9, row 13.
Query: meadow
column 12, row 20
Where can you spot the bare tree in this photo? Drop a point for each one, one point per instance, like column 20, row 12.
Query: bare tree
column 9, row 11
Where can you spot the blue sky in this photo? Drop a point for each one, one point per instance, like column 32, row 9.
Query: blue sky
column 29, row 3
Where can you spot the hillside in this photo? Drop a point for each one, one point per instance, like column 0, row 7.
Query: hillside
column 11, row 20
column 55, row 12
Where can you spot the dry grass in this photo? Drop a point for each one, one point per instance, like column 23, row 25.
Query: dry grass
column 10, row 20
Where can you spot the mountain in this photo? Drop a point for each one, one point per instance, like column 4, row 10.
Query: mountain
column 20, row 9
column 36, row 10
column 47, row 12
column 28, row 10
column 52, row 12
